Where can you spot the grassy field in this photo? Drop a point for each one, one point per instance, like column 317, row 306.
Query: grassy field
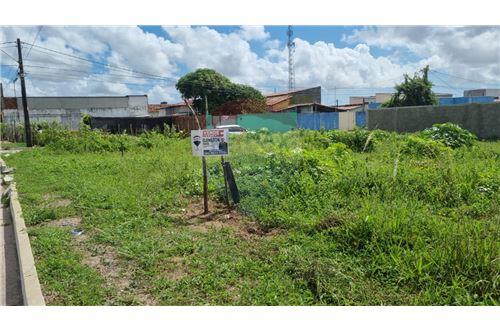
column 325, row 219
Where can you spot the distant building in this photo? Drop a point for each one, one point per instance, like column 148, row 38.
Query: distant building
column 361, row 99
column 482, row 92
column 351, row 107
column 70, row 110
column 309, row 108
column 278, row 102
column 165, row 109
column 384, row 97
column 466, row 100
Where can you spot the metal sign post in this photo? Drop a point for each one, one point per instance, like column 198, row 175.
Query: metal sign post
column 209, row 142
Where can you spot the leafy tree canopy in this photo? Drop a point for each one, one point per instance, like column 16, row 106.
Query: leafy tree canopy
column 216, row 87
column 413, row 91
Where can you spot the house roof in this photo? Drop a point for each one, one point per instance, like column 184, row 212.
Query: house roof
column 348, row 107
column 158, row 107
column 322, row 106
column 166, row 106
column 288, row 92
column 9, row 103
column 154, row 107
column 272, row 100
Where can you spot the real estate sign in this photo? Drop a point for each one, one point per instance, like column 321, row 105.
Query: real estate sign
column 210, row 142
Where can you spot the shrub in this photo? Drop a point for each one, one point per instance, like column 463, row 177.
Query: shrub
column 358, row 140
column 450, row 134
column 419, row 147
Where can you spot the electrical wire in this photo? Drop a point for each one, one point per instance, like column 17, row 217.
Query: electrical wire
column 94, row 62
column 458, row 77
column 90, row 73
column 9, row 55
column 34, row 41
column 57, row 77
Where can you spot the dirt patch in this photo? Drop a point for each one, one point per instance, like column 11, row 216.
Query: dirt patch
column 60, row 203
column 176, row 268
column 219, row 218
column 104, row 259
column 56, row 201
column 66, row 222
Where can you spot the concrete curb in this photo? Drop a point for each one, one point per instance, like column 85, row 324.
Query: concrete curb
column 32, row 292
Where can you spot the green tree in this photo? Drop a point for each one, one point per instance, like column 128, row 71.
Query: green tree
column 413, row 91
column 216, row 87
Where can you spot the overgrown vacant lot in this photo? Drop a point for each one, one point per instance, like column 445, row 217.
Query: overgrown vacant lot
column 325, row 218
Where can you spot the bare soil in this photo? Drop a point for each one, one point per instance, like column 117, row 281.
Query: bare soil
column 56, row 201
column 72, row 222
column 105, row 260
column 219, row 218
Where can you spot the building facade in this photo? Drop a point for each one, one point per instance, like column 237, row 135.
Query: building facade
column 280, row 101
column 482, row 92
column 69, row 111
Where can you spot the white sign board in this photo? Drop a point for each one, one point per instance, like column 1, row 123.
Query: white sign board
column 210, row 142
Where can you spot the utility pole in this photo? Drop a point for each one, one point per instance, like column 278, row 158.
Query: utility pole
column 1, row 111
column 291, row 50
column 27, row 126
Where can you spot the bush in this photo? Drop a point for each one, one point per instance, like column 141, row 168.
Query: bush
column 419, row 147
column 358, row 140
column 450, row 134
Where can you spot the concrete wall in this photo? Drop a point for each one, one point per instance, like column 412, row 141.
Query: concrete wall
column 311, row 95
column 481, row 119
column 70, row 110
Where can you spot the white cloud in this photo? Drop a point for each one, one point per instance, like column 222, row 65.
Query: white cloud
column 159, row 94
column 229, row 54
column 471, row 52
column 318, row 63
column 256, row 32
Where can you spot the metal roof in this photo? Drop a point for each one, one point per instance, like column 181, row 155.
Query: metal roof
column 277, row 99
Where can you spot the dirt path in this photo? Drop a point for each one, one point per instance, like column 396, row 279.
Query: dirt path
column 10, row 284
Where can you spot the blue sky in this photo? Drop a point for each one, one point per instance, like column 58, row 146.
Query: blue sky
column 344, row 60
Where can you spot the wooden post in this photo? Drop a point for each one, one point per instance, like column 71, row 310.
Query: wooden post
column 204, row 165
column 226, row 194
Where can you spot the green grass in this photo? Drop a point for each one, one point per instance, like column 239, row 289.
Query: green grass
column 5, row 145
column 393, row 224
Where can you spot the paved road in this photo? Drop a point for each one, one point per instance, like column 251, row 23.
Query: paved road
column 10, row 284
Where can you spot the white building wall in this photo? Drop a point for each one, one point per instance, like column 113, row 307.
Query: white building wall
column 70, row 110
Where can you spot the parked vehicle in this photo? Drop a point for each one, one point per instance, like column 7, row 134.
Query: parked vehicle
column 233, row 129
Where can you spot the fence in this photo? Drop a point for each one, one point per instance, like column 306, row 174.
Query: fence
column 318, row 120
column 131, row 125
column 481, row 119
column 273, row 121
column 466, row 100
column 361, row 119
column 331, row 120
column 188, row 123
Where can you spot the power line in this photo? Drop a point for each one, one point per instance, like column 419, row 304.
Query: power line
column 54, row 77
column 9, row 55
column 90, row 73
column 458, row 77
column 95, row 62
column 34, row 40
column 437, row 77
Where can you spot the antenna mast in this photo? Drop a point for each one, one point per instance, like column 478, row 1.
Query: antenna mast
column 291, row 50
